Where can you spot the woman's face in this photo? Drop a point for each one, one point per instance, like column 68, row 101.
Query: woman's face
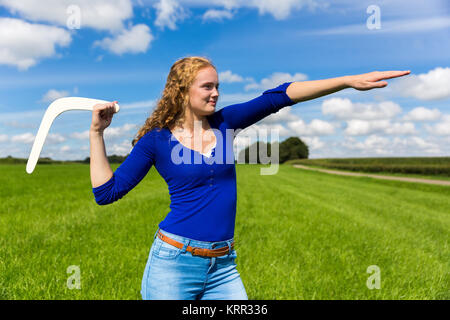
column 204, row 92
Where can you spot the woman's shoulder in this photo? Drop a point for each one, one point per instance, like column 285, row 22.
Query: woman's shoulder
column 155, row 132
column 152, row 134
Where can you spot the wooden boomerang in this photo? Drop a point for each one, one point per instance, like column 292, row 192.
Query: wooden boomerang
column 55, row 109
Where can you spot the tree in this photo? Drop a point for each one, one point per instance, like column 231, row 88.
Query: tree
column 291, row 148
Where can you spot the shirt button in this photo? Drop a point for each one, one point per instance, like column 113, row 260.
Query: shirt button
column 212, row 170
column 210, row 184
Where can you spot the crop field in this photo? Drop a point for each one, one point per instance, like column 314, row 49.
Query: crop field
column 420, row 167
column 299, row 235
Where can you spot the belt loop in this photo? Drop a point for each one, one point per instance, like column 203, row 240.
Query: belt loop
column 183, row 250
column 156, row 233
column 229, row 247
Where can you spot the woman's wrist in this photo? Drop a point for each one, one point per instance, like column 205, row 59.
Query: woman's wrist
column 348, row 81
column 93, row 131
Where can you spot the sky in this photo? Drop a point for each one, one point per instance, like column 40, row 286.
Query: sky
column 123, row 50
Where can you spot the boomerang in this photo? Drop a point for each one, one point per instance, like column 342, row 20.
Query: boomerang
column 54, row 110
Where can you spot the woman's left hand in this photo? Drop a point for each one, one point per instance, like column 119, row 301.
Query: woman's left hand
column 371, row 80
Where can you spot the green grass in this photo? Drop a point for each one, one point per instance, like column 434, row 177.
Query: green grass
column 299, row 235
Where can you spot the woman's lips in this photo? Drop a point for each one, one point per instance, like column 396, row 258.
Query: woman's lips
column 213, row 102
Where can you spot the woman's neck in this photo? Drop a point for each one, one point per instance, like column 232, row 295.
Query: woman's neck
column 194, row 122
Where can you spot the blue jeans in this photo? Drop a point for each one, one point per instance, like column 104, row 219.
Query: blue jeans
column 175, row 274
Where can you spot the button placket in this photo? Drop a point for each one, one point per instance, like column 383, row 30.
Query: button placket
column 211, row 178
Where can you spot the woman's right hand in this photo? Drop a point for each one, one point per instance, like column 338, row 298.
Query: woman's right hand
column 102, row 116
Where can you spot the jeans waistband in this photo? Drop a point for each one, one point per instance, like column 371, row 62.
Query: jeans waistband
column 196, row 243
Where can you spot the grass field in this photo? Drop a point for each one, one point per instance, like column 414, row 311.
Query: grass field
column 299, row 235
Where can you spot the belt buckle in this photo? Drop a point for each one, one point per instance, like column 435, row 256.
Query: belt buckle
column 194, row 249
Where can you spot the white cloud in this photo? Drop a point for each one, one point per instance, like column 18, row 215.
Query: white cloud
column 110, row 132
column 80, row 135
column 364, row 127
column 275, row 80
column 134, row 40
column 54, row 138
column 122, row 149
column 433, row 85
column 96, row 14
column 23, row 138
column 65, row 148
column 391, row 27
column 399, row 128
column 313, row 143
column 422, row 114
column 229, row 77
column 345, row 109
column 279, row 9
column 265, row 130
column 376, row 145
column 316, row 127
column 217, row 15
column 283, row 115
column 372, row 144
column 116, row 132
column 23, row 44
column 441, row 128
column 169, row 12
column 53, row 94
column 4, row 138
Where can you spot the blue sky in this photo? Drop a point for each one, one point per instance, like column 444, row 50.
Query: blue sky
column 123, row 51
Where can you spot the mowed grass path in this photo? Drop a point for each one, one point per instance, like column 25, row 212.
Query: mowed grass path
column 299, row 235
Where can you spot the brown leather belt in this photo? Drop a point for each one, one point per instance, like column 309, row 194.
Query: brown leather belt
column 196, row 251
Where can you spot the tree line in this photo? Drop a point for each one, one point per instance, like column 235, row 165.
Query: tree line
column 289, row 149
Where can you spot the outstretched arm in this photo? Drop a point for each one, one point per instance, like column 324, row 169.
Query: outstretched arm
column 307, row 90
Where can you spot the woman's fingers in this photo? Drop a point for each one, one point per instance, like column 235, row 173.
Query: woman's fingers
column 103, row 114
column 371, row 80
column 392, row 74
column 105, row 109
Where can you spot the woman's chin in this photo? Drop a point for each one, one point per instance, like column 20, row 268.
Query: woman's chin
column 210, row 111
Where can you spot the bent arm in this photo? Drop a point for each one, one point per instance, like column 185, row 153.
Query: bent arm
column 99, row 166
column 307, row 90
column 127, row 175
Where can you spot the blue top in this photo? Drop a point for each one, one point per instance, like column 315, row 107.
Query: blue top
column 202, row 189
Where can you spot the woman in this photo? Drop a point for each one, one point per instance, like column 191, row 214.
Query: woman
column 193, row 255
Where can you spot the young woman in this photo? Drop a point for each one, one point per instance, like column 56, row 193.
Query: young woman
column 193, row 255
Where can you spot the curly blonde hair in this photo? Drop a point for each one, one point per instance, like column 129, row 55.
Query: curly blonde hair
column 169, row 111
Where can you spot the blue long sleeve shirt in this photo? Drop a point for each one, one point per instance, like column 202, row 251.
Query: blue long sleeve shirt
column 202, row 192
